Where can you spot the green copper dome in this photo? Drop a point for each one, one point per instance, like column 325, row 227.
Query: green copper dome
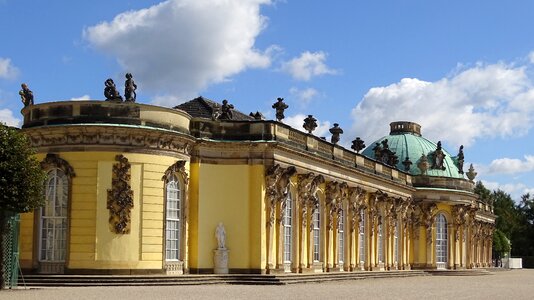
column 406, row 142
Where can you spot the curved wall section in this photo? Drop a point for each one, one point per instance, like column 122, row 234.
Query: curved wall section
column 104, row 112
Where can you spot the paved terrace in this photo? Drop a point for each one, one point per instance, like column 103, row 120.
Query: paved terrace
column 516, row 284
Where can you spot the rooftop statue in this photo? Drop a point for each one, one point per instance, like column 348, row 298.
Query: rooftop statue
column 438, row 158
column 335, row 131
column 280, row 106
column 460, row 159
column 423, row 164
column 110, row 91
column 226, row 111
column 310, row 123
column 471, row 174
column 407, row 163
column 129, row 88
column 26, row 95
column 357, row 145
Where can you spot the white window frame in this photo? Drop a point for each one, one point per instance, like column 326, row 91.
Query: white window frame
column 441, row 239
column 288, row 229
column 396, row 243
column 361, row 240
column 54, row 218
column 173, row 219
column 316, row 230
column 380, row 242
column 341, row 236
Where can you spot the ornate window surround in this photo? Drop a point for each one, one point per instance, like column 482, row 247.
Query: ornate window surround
column 177, row 171
column 52, row 162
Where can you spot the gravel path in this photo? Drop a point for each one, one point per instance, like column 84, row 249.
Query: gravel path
column 516, row 284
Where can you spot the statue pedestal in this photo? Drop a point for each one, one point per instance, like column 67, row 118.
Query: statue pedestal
column 220, row 260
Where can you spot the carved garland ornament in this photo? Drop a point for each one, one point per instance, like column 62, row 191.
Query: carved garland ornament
column 120, row 197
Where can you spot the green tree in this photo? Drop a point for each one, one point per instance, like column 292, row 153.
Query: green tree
column 21, row 176
column 501, row 245
column 21, row 190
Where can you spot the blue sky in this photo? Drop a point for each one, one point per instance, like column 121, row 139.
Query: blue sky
column 464, row 70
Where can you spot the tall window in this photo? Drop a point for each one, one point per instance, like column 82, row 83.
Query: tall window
column 380, row 243
column 53, row 221
column 288, row 232
column 316, row 229
column 361, row 241
column 396, row 242
column 340, row 236
column 441, row 239
column 173, row 219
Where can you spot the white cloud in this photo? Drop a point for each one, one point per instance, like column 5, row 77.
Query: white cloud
column 516, row 190
column 303, row 96
column 179, row 47
column 307, row 65
column 482, row 101
column 6, row 117
column 512, row 165
column 7, row 69
column 531, row 57
column 81, row 98
column 297, row 121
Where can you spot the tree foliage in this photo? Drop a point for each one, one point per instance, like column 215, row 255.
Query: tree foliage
column 515, row 221
column 21, row 177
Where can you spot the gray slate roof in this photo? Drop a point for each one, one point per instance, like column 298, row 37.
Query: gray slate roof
column 201, row 107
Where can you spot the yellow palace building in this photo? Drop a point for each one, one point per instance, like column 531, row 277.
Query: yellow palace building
column 138, row 189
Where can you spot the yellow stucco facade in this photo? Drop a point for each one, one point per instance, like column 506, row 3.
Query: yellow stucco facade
column 139, row 189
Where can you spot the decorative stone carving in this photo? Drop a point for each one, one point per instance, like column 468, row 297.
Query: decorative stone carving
column 280, row 106
column 335, row 192
column 358, row 145
column 407, row 163
column 460, row 159
column 356, row 204
column 385, row 155
column 120, row 197
column 308, row 184
column 277, row 181
column 26, row 95
column 226, row 111
column 129, row 89
column 415, row 219
column 423, row 164
column 336, row 131
column 438, row 158
column 177, row 168
column 471, row 174
column 110, row 91
column 54, row 161
column 310, row 123
column 460, row 213
column 429, row 216
column 257, row 115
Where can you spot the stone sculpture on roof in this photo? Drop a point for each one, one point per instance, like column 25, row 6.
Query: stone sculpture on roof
column 357, row 145
column 460, row 159
column 26, row 95
column 438, row 157
column 280, row 106
column 110, row 91
column 129, row 88
column 310, row 123
column 335, row 131
column 226, row 111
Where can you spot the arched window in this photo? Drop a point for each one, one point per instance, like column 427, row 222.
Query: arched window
column 361, row 241
column 340, row 236
column 173, row 219
column 288, row 229
column 316, row 230
column 441, row 239
column 53, row 220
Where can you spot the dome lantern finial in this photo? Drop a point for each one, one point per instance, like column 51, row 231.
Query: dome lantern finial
column 402, row 127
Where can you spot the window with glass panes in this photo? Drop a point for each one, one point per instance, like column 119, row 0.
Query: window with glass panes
column 362, row 236
column 288, row 224
column 173, row 219
column 441, row 239
column 396, row 242
column 340, row 236
column 316, row 223
column 380, row 244
column 53, row 221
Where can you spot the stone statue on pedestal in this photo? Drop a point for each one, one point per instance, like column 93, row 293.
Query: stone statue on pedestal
column 220, row 235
